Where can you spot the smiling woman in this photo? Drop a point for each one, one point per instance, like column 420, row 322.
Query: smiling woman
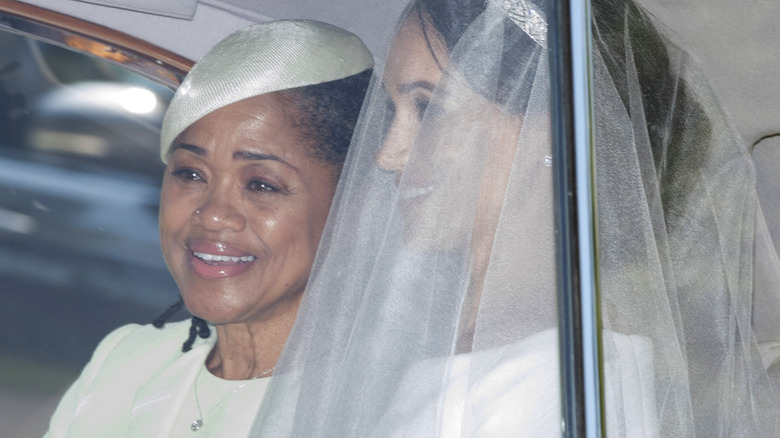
column 254, row 140
column 242, row 208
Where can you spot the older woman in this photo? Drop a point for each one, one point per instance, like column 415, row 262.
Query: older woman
column 254, row 140
column 432, row 308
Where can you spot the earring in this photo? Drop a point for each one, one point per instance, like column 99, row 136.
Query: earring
column 196, row 212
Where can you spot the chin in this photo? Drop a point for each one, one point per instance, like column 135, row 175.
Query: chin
column 212, row 308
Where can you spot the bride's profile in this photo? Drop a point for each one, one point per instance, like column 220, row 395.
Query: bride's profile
column 431, row 310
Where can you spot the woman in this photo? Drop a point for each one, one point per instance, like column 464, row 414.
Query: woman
column 431, row 309
column 254, row 140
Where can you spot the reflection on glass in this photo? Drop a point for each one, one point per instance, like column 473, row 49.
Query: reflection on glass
column 79, row 187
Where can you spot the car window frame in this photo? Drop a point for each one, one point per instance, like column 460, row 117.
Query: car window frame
column 139, row 56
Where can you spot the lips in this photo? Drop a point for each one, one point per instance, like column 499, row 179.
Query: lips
column 216, row 260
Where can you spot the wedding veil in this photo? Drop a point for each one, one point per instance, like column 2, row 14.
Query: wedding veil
column 431, row 309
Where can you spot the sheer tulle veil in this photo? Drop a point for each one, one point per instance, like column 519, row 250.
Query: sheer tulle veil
column 431, row 309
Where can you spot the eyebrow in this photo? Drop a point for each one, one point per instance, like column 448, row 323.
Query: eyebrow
column 187, row 147
column 251, row 156
column 407, row 88
column 238, row 155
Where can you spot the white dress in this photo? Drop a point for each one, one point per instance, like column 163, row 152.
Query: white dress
column 140, row 384
column 512, row 391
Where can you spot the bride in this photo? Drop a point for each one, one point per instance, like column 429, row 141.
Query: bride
column 431, row 310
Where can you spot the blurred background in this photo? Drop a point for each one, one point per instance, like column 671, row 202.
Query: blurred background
column 79, row 188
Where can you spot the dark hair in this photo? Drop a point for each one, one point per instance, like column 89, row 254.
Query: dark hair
column 676, row 122
column 327, row 114
column 446, row 21
column 198, row 326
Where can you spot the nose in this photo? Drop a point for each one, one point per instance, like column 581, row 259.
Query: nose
column 220, row 211
column 394, row 153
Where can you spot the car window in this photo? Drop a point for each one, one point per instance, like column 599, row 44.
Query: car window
column 79, row 190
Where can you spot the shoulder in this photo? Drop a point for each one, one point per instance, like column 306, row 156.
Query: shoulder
column 102, row 399
column 132, row 337
column 133, row 343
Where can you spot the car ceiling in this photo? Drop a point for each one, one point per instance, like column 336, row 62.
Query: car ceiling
column 735, row 41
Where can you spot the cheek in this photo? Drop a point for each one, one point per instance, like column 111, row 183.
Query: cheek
column 316, row 223
column 266, row 223
column 316, row 215
column 298, row 228
column 493, row 185
column 175, row 212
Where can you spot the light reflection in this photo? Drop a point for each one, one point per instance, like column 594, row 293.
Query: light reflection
column 95, row 118
column 137, row 100
column 98, row 97
column 71, row 142
column 17, row 222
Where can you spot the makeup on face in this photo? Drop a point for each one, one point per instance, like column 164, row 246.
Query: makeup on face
column 242, row 210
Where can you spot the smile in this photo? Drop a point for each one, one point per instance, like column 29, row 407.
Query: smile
column 213, row 261
column 412, row 193
column 216, row 259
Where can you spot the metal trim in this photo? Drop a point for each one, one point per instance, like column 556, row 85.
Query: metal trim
column 575, row 215
column 143, row 58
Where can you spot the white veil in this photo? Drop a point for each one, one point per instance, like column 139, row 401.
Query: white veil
column 431, row 309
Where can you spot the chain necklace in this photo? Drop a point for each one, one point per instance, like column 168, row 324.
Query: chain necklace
column 198, row 423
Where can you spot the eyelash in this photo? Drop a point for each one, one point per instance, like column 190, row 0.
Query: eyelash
column 191, row 175
column 421, row 104
column 424, row 106
column 265, row 186
column 186, row 174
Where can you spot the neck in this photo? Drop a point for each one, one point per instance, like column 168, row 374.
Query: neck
column 247, row 350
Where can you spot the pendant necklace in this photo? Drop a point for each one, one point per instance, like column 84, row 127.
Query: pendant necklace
column 198, row 423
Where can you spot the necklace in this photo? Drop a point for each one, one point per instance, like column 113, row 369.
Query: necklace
column 198, row 423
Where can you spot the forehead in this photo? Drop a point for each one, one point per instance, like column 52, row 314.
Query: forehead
column 262, row 121
column 410, row 57
column 261, row 125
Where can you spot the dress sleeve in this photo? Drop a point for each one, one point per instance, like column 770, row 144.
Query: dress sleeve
column 60, row 421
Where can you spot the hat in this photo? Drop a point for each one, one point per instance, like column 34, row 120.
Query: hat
column 259, row 59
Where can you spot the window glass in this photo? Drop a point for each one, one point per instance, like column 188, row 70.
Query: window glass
column 688, row 271
column 79, row 189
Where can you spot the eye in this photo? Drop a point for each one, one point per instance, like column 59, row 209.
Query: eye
column 258, row 185
column 425, row 108
column 186, row 174
column 421, row 105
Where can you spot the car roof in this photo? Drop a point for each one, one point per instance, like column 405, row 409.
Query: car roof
column 734, row 43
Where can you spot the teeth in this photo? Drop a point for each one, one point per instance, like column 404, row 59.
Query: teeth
column 222, row 258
